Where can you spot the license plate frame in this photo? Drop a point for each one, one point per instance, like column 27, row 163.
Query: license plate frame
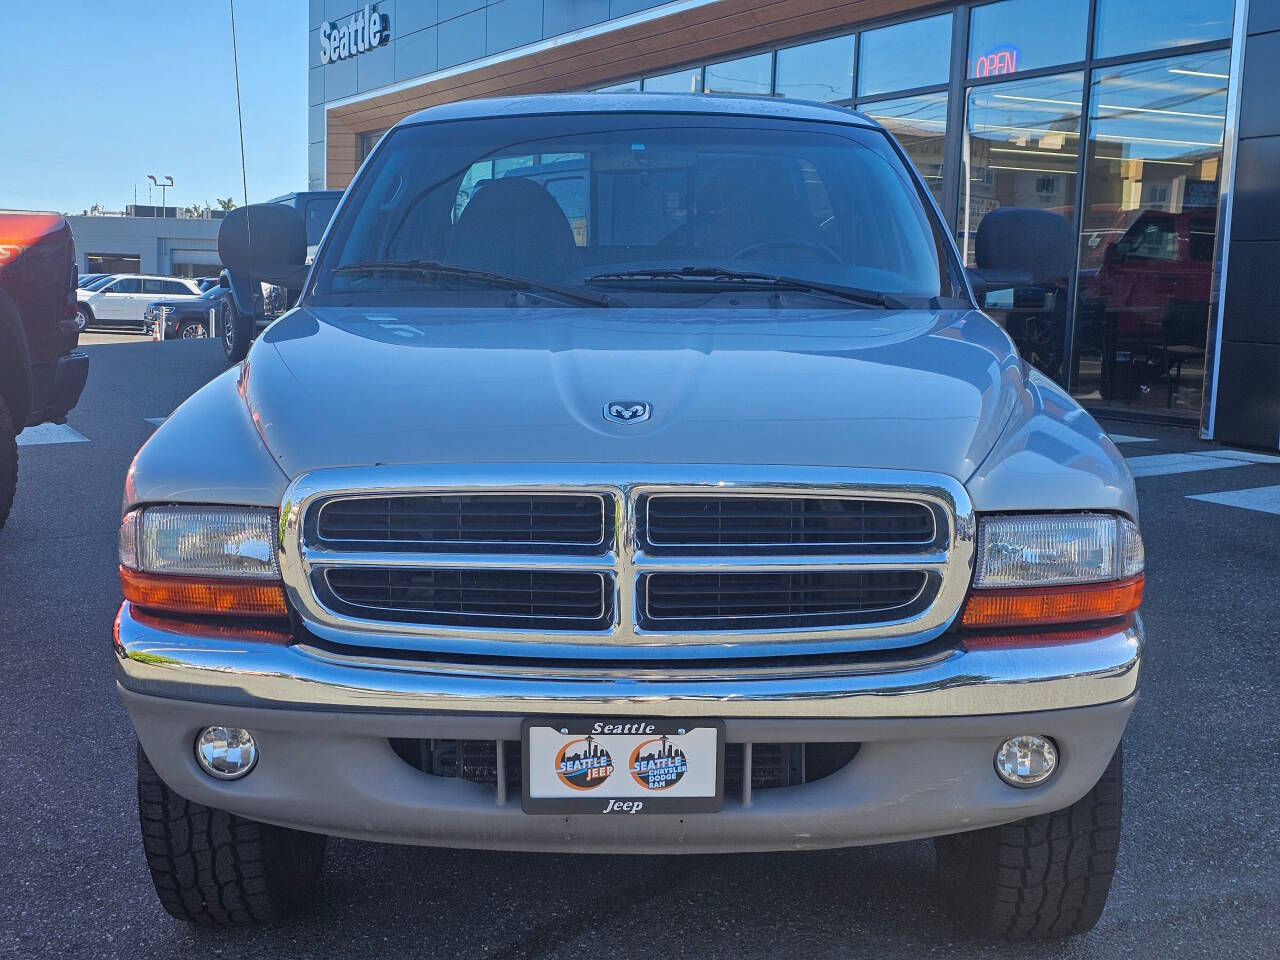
column 616, row 794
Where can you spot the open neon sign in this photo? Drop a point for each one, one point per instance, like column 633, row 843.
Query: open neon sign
column 999, row 61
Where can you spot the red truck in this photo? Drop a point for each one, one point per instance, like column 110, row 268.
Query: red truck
column 41, row 372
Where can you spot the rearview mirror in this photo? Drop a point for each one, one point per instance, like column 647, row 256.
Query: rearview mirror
column 1022, row 247
column 263, row 243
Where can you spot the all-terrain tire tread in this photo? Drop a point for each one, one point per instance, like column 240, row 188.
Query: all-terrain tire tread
column 214, row 868
column 8, row 461
column 1044, row 877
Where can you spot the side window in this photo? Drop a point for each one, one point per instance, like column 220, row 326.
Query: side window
column 175, row 288
column 477, row 174
column 1153, row 239
column 126, row 285
column 571, row 194
column 1203, row 233
column 155, row 286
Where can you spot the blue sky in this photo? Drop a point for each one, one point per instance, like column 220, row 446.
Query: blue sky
column 96, row 94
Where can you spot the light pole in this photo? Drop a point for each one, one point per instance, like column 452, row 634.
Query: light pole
column 165, row 185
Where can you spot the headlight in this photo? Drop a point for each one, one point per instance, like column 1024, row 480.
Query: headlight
column 1021, row 551
column 1054, row 568
column 202, row 560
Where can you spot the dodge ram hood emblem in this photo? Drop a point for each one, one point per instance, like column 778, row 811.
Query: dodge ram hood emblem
column 627, row 411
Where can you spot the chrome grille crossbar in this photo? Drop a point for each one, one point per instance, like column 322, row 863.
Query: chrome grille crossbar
column 945, row 561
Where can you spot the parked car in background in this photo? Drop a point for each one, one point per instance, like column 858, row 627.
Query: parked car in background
column 87, row 278
column 183, row 317
column 729, row 523
column 41, row 372
column 204, row 283
column 124, row 299
column 238, row 327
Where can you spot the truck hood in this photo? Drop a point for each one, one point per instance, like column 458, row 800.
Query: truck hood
column 920, row 390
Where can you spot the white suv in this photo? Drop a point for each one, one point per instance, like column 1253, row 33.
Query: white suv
column 124, row 298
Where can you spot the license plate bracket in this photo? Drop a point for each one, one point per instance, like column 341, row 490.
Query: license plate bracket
column 585, row 765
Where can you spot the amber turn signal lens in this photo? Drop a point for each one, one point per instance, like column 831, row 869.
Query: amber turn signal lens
column 1040, row 606
column 242, row 598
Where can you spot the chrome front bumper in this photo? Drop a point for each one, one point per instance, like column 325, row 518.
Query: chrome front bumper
column 927, row 727
column 245, row 672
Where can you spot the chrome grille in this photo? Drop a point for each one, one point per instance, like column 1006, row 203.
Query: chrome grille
column 512, row 598
column 725, row 524
column 393, row 558
column 702, row 601
column 466, row 521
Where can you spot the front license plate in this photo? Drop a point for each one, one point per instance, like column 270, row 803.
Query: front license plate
column 576, row 765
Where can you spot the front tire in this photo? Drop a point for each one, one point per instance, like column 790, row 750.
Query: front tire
column 213, row 868
column 191, row 330
column 1041, row 878
column 236, row 332
column 8, row 461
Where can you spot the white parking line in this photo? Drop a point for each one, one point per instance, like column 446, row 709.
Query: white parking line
column 1247, row 455
column 1122, row 438
column 50, row 433
column 1263, row 499
column 1165, row 463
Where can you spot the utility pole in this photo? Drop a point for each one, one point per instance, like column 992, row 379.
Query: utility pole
column 163, row 185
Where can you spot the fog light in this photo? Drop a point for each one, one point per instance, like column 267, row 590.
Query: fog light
column 227, row 753
column 1026, row 760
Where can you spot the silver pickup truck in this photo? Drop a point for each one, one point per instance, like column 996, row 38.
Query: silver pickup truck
column 633, row 473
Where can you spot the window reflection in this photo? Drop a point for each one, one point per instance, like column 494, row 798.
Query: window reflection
column 744, row 75
column 1015, row 35
column 919, row 124
column 1021, row 147
column 905, row 55
column 1148, row 230
column 817, row 71
column 1127, row 27
column 688, row 80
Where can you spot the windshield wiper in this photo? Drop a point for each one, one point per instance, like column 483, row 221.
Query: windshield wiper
column 504, row 280
column 727, row 277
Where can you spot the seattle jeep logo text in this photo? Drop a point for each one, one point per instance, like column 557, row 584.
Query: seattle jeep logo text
column 363, row 31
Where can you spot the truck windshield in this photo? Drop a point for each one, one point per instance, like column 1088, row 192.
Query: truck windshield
column 624, row 209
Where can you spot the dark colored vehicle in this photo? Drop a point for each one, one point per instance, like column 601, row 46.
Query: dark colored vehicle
column 239, row 321
column 184, row 318
column 87, row 278
column 41, row 372
column 204, row 283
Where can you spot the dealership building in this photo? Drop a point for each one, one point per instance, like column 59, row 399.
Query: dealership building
column 1152, row 126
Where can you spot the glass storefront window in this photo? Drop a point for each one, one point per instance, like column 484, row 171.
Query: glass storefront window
column 688, row 80
column 905, row 55
column 817, row 71
column 919, row 124
column 1018, row 35
column 1148, row 228
column 744, row 75
column 1125, row 26
column 1021, row 147
column 628, row 86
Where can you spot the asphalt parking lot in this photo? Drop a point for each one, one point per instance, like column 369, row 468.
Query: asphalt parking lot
column 1199, row 871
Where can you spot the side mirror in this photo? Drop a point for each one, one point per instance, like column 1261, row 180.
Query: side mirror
column 262, row 243
column 1022, row 247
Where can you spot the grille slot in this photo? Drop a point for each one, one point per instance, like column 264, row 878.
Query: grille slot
column 722, row 524
column 479, row 522
column 538, row 599
column 700, row 601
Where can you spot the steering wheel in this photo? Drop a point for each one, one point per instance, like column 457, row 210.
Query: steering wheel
column 811, row 245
